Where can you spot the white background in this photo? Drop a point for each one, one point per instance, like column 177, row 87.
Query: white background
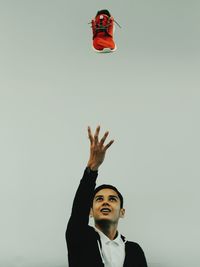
column 52, row 86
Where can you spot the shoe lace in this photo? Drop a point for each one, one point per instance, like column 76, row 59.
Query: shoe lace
column 117, row 24
column 114, row 21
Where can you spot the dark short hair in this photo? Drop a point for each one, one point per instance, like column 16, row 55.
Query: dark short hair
column 105, row 186
column 103, row 11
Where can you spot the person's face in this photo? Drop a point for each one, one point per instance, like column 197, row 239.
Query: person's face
column 106, row 206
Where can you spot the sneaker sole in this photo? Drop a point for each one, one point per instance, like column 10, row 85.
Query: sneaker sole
column 105, row 50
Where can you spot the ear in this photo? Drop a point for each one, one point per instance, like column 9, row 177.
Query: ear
column 122, row 213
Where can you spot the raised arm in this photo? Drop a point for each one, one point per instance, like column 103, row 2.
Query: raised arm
column 83, row 197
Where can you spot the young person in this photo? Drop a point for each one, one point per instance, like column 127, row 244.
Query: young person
column 101, row 245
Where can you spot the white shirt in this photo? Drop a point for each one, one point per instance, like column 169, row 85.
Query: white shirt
column 113, row 251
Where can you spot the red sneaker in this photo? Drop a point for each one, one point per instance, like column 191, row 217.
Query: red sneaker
column 103, row 28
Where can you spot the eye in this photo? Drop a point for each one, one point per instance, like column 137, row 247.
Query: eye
column 113, row 199
column 99, row 198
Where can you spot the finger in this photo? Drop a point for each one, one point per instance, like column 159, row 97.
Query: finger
column 104, row 138
column 96, row 135
column 108, row 145
column 90, row 134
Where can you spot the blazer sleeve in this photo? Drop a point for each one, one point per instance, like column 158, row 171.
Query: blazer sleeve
column 79, row 218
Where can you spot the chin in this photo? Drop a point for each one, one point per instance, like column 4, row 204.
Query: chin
column 103, row 221
column 104, row 217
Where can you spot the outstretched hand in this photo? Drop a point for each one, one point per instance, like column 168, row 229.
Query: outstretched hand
column 97, row 148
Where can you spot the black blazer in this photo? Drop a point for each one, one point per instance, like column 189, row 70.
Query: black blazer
column 83, row 242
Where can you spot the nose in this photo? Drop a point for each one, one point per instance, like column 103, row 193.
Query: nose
column 105, row 203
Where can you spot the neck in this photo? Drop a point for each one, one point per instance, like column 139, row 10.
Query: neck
column 110, row 230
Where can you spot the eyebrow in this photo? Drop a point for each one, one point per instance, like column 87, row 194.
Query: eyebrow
column 108, row 196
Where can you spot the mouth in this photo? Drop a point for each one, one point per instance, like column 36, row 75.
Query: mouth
column 105, row 210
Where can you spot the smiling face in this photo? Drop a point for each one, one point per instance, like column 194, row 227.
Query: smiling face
column 106, row 206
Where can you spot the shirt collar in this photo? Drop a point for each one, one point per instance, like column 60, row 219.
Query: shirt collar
column 107, row 240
